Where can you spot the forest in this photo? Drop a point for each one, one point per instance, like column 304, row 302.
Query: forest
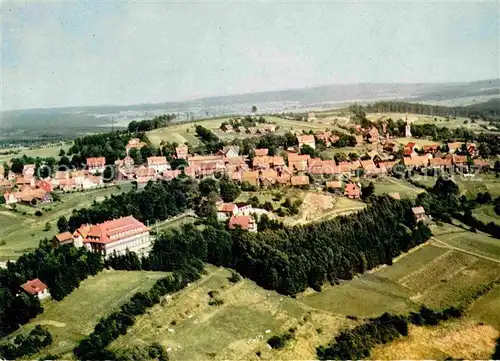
column 485, row 111
column 289, row 260
column 158, row 201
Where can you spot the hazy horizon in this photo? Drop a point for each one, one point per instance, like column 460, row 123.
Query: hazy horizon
column 96, row 54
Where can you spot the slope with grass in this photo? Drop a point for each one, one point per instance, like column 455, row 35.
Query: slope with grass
column 74, row 317
column 191, row 329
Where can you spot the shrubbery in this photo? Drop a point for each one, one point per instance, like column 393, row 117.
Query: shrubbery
column 22, row 346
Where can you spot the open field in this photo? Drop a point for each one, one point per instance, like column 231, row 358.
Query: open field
column 428, row 119
column 478, row 243
column 486, row 309
column 486, row 214
column 75, row 316
column 235, row 330
column 393, row 185
column 46, row 151
column 457, row 339
column 181, row 133
column 173, row 223
column 22, row 233
column 469, row 187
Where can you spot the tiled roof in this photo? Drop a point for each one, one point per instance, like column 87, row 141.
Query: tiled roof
column 33, row 287
column 108, row 231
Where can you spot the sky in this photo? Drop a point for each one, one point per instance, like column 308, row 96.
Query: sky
column 79, row 53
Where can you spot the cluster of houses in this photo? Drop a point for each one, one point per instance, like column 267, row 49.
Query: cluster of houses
column 260, row 129
column 25, row 187
column 431, row 156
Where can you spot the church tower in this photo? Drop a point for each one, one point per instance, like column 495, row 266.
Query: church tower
column 407, row 128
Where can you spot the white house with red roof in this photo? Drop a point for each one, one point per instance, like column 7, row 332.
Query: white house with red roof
column 306, row 139
column 96, row 164
column 226, row 210
column 36, row 288
column 115, row 237
column 159, row 164
column 244, row 222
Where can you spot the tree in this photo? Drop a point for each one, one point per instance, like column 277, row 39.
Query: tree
column 208, row 186
column 353, row 156
column 135, row 154
column 47, row 227
column 254, row 109
column 62, row 224
column 229, row 190
column 306, row 149
column 62, row 152
column 109, row 174
column 367, row 191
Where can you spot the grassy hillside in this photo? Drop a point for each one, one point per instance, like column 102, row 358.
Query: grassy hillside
column 75, row 316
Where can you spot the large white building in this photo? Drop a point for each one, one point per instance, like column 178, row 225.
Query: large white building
column 114, row 237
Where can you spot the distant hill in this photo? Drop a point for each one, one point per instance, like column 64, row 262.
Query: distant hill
column 73, row 121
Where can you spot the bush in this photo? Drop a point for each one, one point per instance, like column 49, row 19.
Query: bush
column 38, row 213
column 235, row 277
column 215, row 302
column 278, row 342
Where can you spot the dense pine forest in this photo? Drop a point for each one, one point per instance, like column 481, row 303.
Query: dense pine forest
column 289, row 260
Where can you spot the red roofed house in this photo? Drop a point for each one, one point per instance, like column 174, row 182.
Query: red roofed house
column 134, row 143
column 433, row 148
column 36, row 288
column 298, row 162
column 261, row 152
column 96, row 164
column 159, row 164
column 459, row 160
column 45, row 185
column 352, row 191
column 114, row 237
column 472, row 150
column 299, row 180
column 252, row 177
column 418, row 213
column 62, row 239
column 226, row 210
column 306, row 140
column 182, row 151
column 268, row 177
column 453, row 147
column 416, row 161
column 243, row 222
column 409, row 150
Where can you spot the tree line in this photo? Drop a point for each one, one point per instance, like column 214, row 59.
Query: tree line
column 142, row 126
column 158, row 201
column 61, row 269
column 94, row 346
column 356, row 344
column 290, row 259
column 433, row 110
